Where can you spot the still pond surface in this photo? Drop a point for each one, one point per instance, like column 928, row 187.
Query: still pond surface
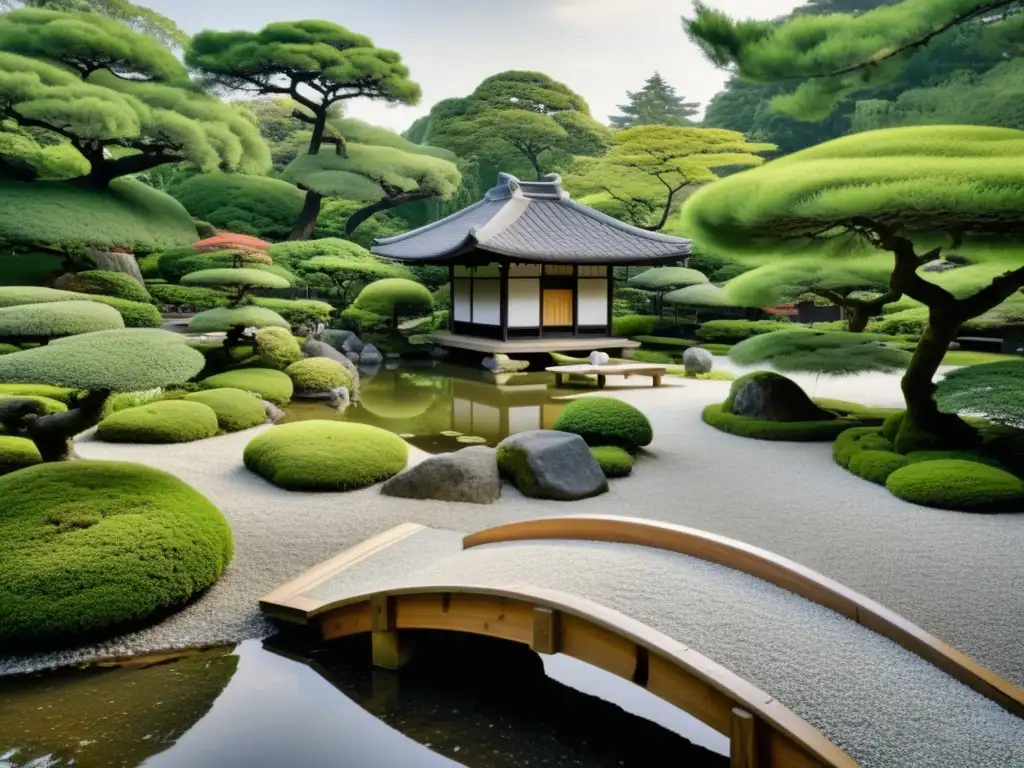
column 464, row 701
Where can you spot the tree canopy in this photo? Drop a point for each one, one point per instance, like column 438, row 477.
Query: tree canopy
column 647, row 167
column 832, row 353
column 137, row 17
column 657, row 103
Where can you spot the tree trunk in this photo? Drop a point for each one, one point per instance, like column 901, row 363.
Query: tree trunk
column 858, row 319
column 53, row 435
column 306, row 222
column 386, row 204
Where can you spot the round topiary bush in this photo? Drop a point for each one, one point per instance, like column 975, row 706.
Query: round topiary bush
column 876, row 466
column 326, row 455
column 226, row 318
column 318, row 374
column 277, row 348
column 274, row 386
column 964, row 486
column 165, row 421
column 88, row 548
column 56, row 319
column 241, row 277
column 395, row 297
column 606, row 421
column 614, row 461
column 17, row 453
column 236, row 410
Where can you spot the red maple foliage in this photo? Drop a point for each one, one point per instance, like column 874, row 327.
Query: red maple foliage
column 231, row 241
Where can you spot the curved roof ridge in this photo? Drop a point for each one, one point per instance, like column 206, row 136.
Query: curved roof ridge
column 431, row 225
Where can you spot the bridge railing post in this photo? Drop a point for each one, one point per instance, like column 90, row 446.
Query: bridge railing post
column 388, row 649
column 742, row 740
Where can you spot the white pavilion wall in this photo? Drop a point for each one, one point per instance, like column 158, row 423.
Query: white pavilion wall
column 524, row 295
column 477, row 296
column 592, row 296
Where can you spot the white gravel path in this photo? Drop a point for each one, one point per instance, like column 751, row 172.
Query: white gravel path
column 957, row 575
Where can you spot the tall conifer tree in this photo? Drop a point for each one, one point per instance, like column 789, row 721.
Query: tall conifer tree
column 657, row 103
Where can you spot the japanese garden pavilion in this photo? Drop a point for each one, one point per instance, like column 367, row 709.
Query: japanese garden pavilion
column 530, row 268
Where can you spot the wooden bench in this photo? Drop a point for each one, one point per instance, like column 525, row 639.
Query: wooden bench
column 603, row 371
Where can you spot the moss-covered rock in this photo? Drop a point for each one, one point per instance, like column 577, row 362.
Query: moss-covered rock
column 271, row 385
column 769, row 396
column 614, row 461
column 606, row 421
column 965, row 486
column 236, row 410
column 17, row 453
column 326, row 455
column 276, row 348
column 88, row 548
column 318, row 374
column 165, row 421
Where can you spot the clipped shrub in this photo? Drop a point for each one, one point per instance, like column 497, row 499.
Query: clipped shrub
column 876, row 466
column 297, row 311
column 631, row 301
column 226, row 318
column 149, row 266
column 292, row 253
column 614, row 461
column 190, row 298
column 235, row 410
column 834, row 353
column 735, row 331
column 90, row 548
column 361, row 321
column 165, row 421
column 318, row 374
column 665, row 343
column 891, row 425
column 116, row 284
column 50, row 321
column 664, row 279
column 326, row 455
column 606, row 421
column 60, row 394
column 276, row 348
column 860, row 438
column 792, row 431
column 17, row 453
column 134, row 314
column 274, row 386
column 917, row 456
column 242, row 277
column 256, row 205
column 443, row 297
column 964, row 486
column 395, row 298
column 629, row 326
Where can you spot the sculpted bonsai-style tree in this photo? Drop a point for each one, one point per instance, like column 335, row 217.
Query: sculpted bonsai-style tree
column 395, row 298
column 318, row 65
column 649, row 166
column 821, row 352
column 347, row 265
column 96, row 364
column 236, row 316
column 913, row 193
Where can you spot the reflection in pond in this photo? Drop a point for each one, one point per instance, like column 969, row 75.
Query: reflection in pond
column 428, row 402
column 464, row 701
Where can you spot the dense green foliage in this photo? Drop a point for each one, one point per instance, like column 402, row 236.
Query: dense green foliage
column 326, row 455
column 53, row 320
column 664, row 279
column 995, row 390
column 116, row 284
column 965, row 486
column 235, row 410
column 833, row 353
column 226, row 318
column 657, row 103
column 733, row 331
column 629, row 326
column 319, row 374
column 606, row 421
column 249, row 278
column 128, row 214
column 128, row 360
column 165, row 421
column 89, row 548
column 699, row 295
column 191, row 298
column 60, row 394
column 271, row 385
column 345, row 265
column 613, row 461
column 17, row 453
column 395, row 298
column 252, row 205
column 297, row 311
column 277, row 348
column 876, row 466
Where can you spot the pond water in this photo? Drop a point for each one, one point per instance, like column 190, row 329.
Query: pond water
column 424, row 403
column 464, row 701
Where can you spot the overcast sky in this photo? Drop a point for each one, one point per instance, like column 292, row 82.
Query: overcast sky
column 599, row 48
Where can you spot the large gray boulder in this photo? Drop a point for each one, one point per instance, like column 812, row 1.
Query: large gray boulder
column 353, row 344
column 546, row 464
column 470, row 475
column 370, row 355
column 697, row 360
column 336, row 338
column 770, row 396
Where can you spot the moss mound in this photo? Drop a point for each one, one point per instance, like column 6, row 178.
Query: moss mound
column 38, row 390
column 606, row 421
column 297, row 311
column 134, row 314
column 274, row 386
column 88, row 548
column 53, row 320
column 318, row 374
column 226, row 318
column 116, row 284
column 235, row 277
column 614, row 461
column 16, row 453
column 254, row 205
column 791, row 431
column 165, row 421
column 876, row 466
column 235, row 410
column 964, row 486
column 853, row 441
column 276, row 348
column 326, row 455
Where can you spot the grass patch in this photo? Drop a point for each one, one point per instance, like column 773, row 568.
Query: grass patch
column 962, row 357
column 165, row 421
column 613, row 461
column 791, row 431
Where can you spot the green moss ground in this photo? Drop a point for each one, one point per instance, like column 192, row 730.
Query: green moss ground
column 614, row 461
column 236, row 410
column 165, row 421
column 274, row 386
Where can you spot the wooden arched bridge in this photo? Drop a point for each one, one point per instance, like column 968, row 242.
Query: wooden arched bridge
column 796, row 669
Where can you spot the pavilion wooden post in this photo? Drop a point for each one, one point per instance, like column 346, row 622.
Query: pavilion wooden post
column 388, row 649
column 743, row 740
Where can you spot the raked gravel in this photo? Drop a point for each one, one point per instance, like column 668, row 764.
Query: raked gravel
column 959, row 576
column 883, row 705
